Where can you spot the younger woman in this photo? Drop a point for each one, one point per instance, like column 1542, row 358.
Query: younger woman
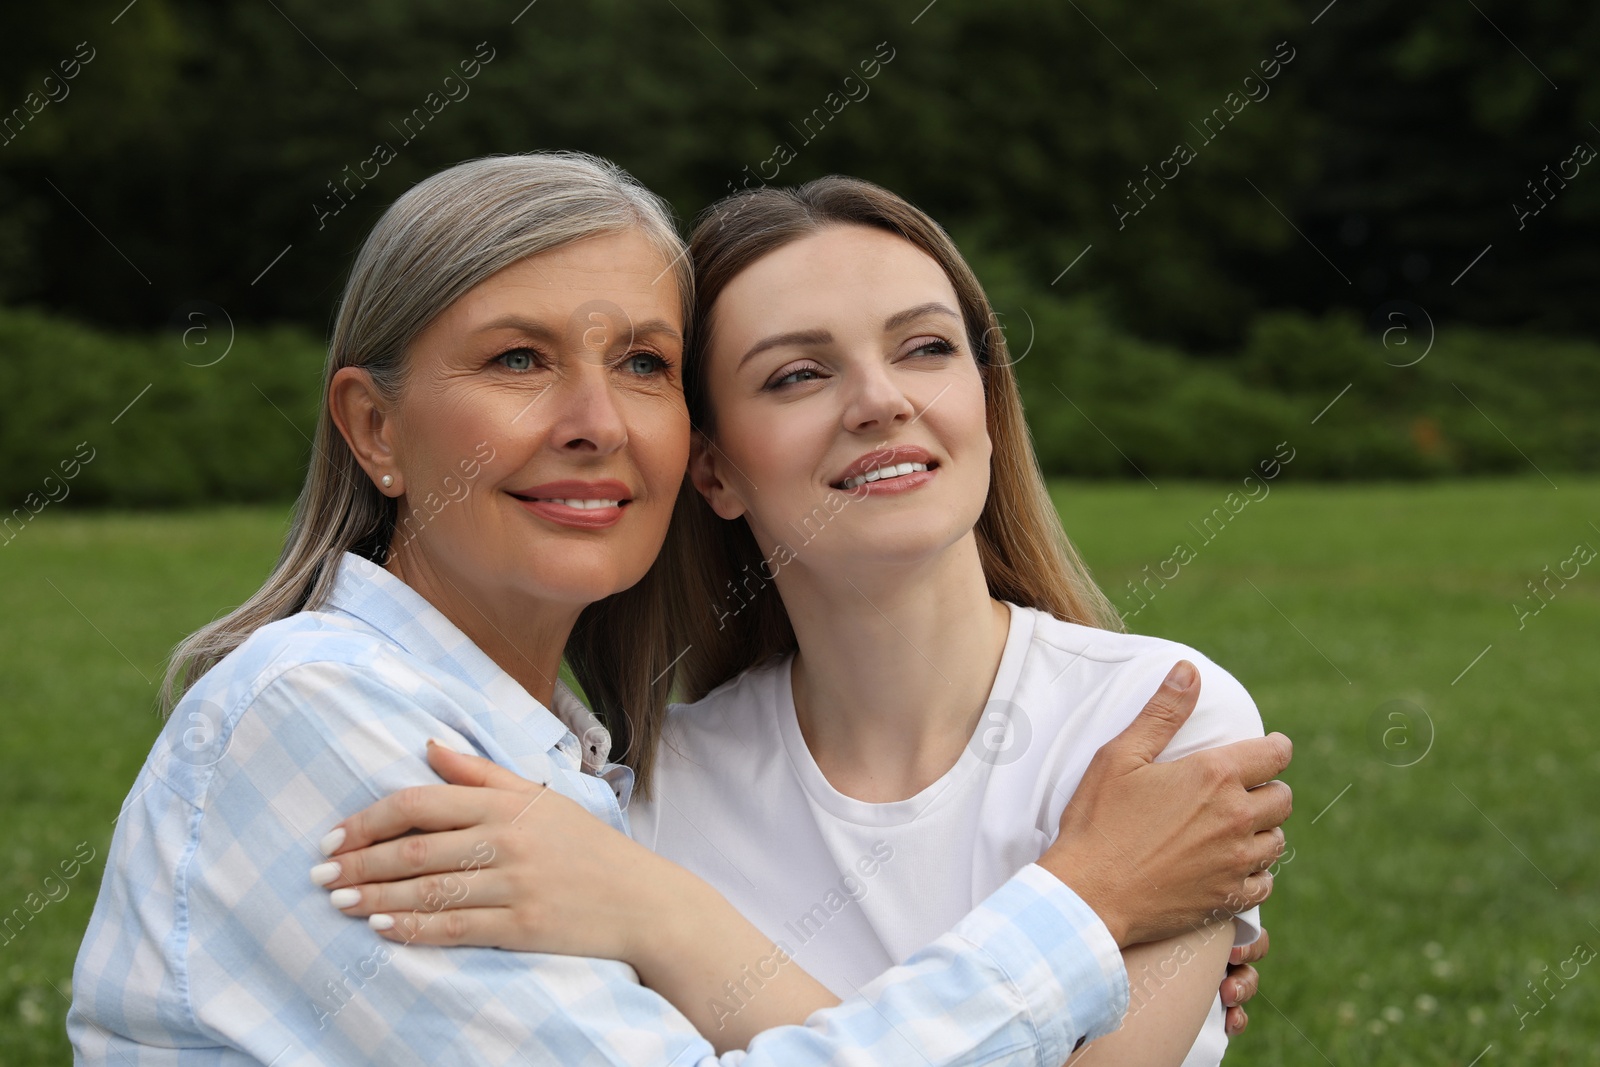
column 899, row 666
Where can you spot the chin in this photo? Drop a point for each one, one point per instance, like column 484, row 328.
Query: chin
column 891, row 547
column 574, row 566
column 580, row 589
column 574, row 582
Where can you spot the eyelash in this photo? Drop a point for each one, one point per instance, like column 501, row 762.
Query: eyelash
column 782, row 381
column 532, row 354
column 663, row 365
column 938, row 347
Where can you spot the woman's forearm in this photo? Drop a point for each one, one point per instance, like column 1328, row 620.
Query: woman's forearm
column 713, row 965
column 548, row 876
column 1171, row 987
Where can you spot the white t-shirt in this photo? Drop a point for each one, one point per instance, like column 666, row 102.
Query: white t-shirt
column 850, row 888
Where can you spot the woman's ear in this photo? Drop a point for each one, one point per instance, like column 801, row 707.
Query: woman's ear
column 367, row 425
column 705, row 471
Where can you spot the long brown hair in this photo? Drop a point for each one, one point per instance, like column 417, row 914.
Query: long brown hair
column 1026, row 556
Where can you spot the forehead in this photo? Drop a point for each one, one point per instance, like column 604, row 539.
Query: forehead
column 625, row 268
column 840, row 272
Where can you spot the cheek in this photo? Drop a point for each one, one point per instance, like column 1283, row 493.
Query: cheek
column 440, row 428
column 967, row 418
column 660, row 428
column 764, row 451
column 960, row 421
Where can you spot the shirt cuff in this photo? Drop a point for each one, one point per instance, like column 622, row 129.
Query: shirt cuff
column 1059, row 957
column 1247, row 927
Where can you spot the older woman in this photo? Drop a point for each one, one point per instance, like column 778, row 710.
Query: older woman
column 495, row 466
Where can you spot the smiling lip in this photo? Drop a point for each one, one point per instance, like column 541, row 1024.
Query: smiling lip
column 577, row 504
column 881, row 460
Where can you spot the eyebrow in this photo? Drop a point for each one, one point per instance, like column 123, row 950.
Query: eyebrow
column 780, row 340
column 934, row 307
column 651, row 327
column 533, row 328
column 823, row 337
column 517, row 322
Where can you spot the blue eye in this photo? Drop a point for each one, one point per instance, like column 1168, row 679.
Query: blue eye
column 934, row 348
column 795, row 377
column 645, row 363
column 518, row 359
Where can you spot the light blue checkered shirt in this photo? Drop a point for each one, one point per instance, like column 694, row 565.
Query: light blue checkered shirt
column 210, row 945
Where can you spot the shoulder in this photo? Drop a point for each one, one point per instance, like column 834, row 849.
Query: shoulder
column 739, row 712
column 314, row 656
column 297, row 685
column 720, row 744
column 1127, row 669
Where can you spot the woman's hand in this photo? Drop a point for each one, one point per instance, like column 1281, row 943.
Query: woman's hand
column 504, row 862
column 1208, row 825
column 1242, row 981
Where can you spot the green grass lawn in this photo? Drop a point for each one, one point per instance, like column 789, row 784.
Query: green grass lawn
column 1447, row 849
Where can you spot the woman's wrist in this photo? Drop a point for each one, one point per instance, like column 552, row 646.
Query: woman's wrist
column 1081, row 880
column 677, row 913
column 696, row 950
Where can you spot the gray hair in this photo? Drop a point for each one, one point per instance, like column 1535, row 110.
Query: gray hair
column 444, row 236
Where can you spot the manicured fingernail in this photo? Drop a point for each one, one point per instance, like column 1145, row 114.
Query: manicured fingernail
column 381, row 922
column 331, row 841
column 441, row 744
column 345, row 898
column 323, row 873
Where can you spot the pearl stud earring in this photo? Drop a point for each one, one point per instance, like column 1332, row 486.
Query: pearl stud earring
column 388, row 481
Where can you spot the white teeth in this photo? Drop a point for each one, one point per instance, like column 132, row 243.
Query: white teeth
column 587, row 505
column 892, row 471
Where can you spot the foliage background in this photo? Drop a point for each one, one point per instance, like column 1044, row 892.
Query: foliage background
column 184, row 191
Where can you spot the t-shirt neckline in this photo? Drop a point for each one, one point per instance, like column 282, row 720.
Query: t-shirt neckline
column 821, row 792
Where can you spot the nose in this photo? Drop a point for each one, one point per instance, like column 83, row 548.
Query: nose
column 587, row 418
column 875, row 402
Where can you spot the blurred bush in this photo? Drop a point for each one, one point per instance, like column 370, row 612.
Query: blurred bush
column 1104, row 403
column 1101, row 403
column 236, row 430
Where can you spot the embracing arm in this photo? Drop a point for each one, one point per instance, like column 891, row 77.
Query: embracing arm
column 1180, row 976
column 1023, row 979
column 607, row 896
column 1171, row 987
column 271, row 968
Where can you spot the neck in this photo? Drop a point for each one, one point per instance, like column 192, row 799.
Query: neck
column 524, row 637
column 894, row 668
